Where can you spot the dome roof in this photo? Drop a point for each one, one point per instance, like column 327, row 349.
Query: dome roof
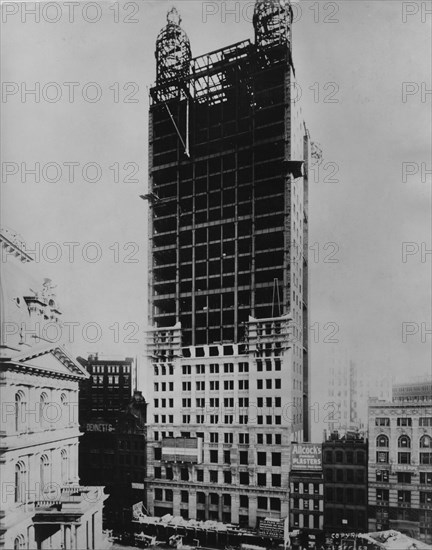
column 272, row 21
column 173, row 52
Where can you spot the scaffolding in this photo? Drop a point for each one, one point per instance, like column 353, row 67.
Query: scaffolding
column 220, row 183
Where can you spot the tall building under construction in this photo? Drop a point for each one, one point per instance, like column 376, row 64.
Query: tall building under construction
column 228, row 275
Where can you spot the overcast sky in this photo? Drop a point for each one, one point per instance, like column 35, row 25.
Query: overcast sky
column 351, row 60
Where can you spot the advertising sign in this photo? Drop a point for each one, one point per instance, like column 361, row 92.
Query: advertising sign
column 99, row 427
column 273, row 528
column 306, row 456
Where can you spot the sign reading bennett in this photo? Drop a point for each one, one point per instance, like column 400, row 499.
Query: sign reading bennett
column 306, row 456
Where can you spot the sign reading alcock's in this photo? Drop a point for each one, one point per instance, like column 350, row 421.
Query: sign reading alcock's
column 306, row 456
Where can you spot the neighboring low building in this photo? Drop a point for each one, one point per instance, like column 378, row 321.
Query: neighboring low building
column 108, row 389
column 307, row 492
column 43, row 504
column 345, row 483
column 113, row 454
column 400, row 466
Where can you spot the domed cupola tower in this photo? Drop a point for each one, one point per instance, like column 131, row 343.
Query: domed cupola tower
column 173, row 52
column 272, row 21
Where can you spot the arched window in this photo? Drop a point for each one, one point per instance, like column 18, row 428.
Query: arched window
column 404, row 442
column 64, row 466
column 64, row 409
column 44, row 473
column 43, row 410
column 20, row 481
column 382, row 441
column 19, row 411
column 426, row 442
column 19, row 542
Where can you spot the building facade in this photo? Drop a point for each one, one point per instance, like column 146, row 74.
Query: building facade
column 228, row 275
column 400, row 466
column 345, row 483
column 43, row 504
column 108, row 389
column 307, row 493
column 112, row 453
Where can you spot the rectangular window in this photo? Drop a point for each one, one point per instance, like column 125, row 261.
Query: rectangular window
column 200, row 475
column 228, row 367
column 244, row 501
column 425, row 497
column 262, row 480
column 382, row 495
column 244, row 478
column 276, row 480
column 276, row 459
column 213, row 476
column 262, row 503
column 262, row 459
column 382, row 457
column 404, row 496
column 213, row 456
column 404, row 477
column 404, row 421
column 244, row 459
column 425, row 421
column 243, row 439
column 380, row 421
column 214, row 437
column 382, row 476
column 228, row 438
column 426, row 478
column 404, row 458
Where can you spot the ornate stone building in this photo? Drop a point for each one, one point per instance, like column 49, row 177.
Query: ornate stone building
column 400, row 465
column 43, row 504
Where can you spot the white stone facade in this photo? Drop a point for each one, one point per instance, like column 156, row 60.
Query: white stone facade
column 42, row 504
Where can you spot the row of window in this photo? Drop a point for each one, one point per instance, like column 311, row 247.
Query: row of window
column 403, row 496
column 268, row 364
column 382, row 476
column 213, row 368
column 299, row 487
column 243, row 438
column 99, row 380
column 403, row 421
column 344, row 476
column 263, row 458
column 263, row 503
column 45, row 475
column 382, row 457
column 215, row 402
column 305, row 504
column 225, row 476
column 404, row 441
column 45, row 413
column 110, row 369
column 215, row 385
column 226, row 419
column 345, row 494
column 347, row 457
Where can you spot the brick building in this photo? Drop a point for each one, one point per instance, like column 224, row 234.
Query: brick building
column 345, row 483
